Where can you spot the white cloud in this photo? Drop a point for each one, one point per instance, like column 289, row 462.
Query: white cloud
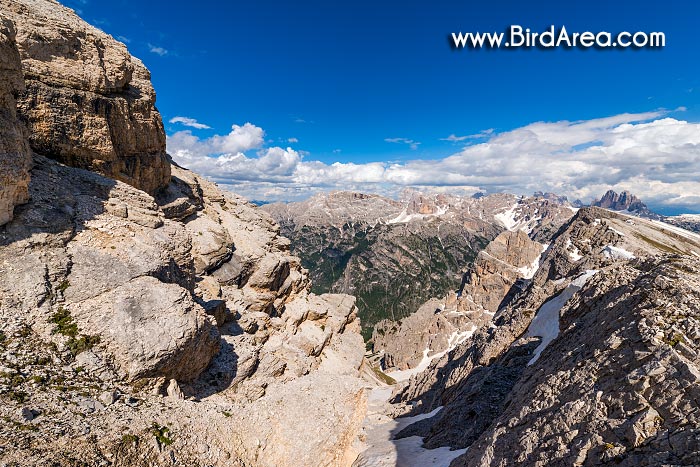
column 191, row 122
column 482, row 134
column 411, row 144
column 655, row 157
column 123, row 39
column 157, row 50
column 292, row 140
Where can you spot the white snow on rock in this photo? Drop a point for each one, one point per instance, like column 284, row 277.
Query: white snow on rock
column 614, row 252
column 678, row 230
column 380, row 447
column 528, row 272
column 512, row 219
column 384, row 451
column 573, row 254
column 545, row 324
column 405, row 217
column 507, row 218
column 454, row 340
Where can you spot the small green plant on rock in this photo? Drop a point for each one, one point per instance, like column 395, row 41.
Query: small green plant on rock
column 77, row 343
column 675, row 339
column 161, row 434
column 64, row 323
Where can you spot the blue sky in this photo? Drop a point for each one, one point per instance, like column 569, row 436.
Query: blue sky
column 376, row 82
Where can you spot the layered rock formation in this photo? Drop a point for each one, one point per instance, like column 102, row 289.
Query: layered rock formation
column 595, row 362
column 15, row 159
column 626, row 201
column 85, row 100
column 156, row 322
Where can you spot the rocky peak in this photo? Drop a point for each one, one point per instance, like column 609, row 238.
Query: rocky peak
column 624, row 201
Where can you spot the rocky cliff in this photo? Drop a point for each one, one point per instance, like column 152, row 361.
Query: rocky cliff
column 160, row 321
column 84, row 99
column 595, row 362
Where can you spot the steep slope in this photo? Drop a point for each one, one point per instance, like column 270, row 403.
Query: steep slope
column 395, row 255
column 594, row 362
column 170, row 328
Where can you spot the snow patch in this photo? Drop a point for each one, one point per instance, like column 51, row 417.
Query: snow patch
column 385, row 451
column 617, row 253
column 528, row 272
column 454, row 340
column 507, row 218
column 573, row 254
column 404, row 217
column 678, row 230
column 616, row 231
column 545, row 324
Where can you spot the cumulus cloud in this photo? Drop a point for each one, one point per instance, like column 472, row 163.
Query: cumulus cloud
column 191, row 122
column 650, row 154
column 292, row 140
column 157, row 50
column 411, row 144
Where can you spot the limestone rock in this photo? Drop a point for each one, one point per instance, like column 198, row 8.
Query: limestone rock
column 15, row 159
column 86, row 100
column 174, row 390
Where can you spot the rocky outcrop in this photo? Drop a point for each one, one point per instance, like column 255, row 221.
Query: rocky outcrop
column 85, row 100
column 159, row 321
column 567, row 371
column 624, row 201
column 15, row 159
column 98, row 278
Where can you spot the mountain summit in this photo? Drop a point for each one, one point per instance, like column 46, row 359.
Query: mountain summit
column 625, row 201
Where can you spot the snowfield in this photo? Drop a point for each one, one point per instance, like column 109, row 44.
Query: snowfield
column 546, row 322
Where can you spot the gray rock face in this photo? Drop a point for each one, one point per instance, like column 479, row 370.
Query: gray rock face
column 15, row 159
column 113, row 276
column 97, row 268
column 624, row 201
column 87, row 102
column 609, row 377
column 628, row 202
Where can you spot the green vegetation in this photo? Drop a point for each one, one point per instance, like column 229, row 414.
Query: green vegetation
column 17, row 396
column 130, row 439
column 390, row 269
column 382, row 376
column 65, row 325
column 63, row 285
column 161, row 434
column 675, row 339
